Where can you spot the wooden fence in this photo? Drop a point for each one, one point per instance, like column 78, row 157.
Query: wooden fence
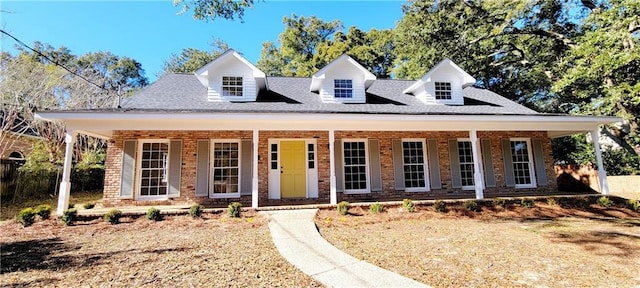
column 8, row 176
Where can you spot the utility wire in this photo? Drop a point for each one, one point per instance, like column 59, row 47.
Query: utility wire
column 52, row 61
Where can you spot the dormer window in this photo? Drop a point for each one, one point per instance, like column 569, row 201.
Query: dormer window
column 343, row 88
column 443, row 90
column 231, row 86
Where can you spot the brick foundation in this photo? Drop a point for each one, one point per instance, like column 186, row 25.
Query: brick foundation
column 188, row 174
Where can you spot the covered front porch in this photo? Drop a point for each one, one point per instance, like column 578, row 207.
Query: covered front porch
column 329, row 157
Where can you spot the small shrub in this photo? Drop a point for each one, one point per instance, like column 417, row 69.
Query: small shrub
column 376, row 208
column 44, row 211
column 552, row 201
column 113, row 216
column 499, row 202
column 583, row 202
column 526, row 202
column 605, row 202
column 440, row 206
column 69, row 216
column 408, row 205
column 343, row 207
column 71, row 205
column 471, row 205
column 89, row 205
column 234, row 209
column 633, row 205
column 154, row 214
column 195, row 210
column 26, row 217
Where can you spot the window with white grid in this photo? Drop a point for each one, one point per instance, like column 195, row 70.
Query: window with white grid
column 153, row 169
column 343, row 88
column 355, row 165
column 414, row 164
column 521, row 162
column 231, row 86
column 443, row 90
column 226, row 168
column 465, row 157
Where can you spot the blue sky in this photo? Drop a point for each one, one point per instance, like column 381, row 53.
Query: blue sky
column 149, row 31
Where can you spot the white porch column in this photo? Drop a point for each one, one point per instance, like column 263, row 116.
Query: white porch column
column 65, row 185
column 602, row 175
column 254, row 186
column 478, row 178
column 332, row 169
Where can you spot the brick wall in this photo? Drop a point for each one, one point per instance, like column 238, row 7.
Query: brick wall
column 22, row 144
column 189, row 138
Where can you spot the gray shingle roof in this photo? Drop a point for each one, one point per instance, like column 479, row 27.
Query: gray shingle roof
column 183, row 92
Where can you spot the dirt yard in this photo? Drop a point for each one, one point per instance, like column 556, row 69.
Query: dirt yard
column 179, row 251
column 544, row 246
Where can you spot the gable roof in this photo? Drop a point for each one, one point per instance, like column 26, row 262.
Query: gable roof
column 344, row 58
column 183, row 93
column 466, row 78
column 203, row 72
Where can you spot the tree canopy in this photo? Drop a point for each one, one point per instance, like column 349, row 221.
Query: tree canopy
column 190, row 59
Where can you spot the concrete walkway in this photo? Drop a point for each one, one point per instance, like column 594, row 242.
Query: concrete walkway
column 297, row 239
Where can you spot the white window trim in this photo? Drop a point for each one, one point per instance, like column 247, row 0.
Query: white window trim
column 211, row 160
column 472, row 187
column 435, row 90
column 532, row 170
column 366, row 164
column 138, row 172
column 233, row 98
column 344, row 99
column 427, row 186
column 315, row 154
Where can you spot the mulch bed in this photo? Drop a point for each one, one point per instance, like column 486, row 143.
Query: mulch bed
column 574, row 244
column 216, row 251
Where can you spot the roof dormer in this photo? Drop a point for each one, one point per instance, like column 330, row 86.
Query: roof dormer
column 232, row 78
column 442, row 85
column 342, row 81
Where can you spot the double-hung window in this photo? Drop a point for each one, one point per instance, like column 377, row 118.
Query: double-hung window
column 443, row 90
column 343, row 88
column 355, row 166
column 413, row 158
column 225, row 169
column 153, row 168
column 465, row 158
column 231, row 86
column 522, row 164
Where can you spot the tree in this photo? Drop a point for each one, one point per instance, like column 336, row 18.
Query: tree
column 308, row 44
column 212, row 9
column 190, row 59
column 602, row 71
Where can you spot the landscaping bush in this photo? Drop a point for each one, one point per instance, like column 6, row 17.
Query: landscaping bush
column 68, row 216
column 71, row 205
column 154, row 214
column 44, row 211
column 605, row 202
column 526, row 202
column 408, row 205
column 113, row 216
column 234, row 209
column 499, row 202
column 343, row 207
column 376, row 208
column 471, row 205
column 440, row 206
column 26, row 217
column 633, row 205
column 552, row 201
column 89, row 205
column 195, row 210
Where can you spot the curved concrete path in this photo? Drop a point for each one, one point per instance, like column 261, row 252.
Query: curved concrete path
column 297, row 239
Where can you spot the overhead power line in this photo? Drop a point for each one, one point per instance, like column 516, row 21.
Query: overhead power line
column 53, row 61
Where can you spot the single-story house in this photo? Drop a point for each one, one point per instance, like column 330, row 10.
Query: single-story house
column 228, row 132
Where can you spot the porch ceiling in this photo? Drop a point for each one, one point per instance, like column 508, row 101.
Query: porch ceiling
column 103, row 124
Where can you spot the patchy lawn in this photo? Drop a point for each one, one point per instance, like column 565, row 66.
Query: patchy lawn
column 545, row 246
column 179, row 251
column 9, row 210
